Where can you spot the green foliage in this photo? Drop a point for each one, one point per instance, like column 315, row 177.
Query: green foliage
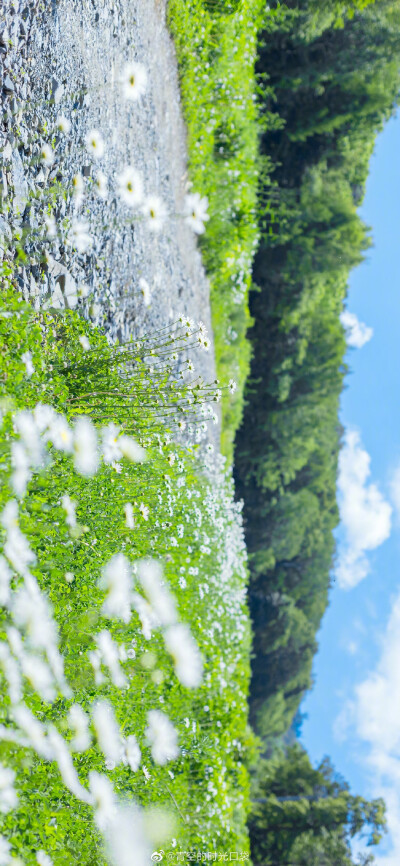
column 216, row 47
column 187, row 514
column 304, row 816
column 330, row 88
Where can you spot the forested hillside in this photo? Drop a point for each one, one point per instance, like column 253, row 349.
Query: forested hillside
column 329, row 78
column 308, row 817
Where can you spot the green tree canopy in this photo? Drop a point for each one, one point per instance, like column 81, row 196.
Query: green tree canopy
column 303, row 816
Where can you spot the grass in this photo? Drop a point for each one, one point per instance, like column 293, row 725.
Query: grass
column 206, row 786
column 216, row 55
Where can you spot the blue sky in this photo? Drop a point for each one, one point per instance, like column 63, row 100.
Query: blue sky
column 354, row 707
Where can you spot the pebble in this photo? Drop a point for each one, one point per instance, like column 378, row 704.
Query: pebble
column 63, row 62
column 8, row 85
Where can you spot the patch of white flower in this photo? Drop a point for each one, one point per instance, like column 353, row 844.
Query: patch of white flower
column 162, row 736
column 116, row 580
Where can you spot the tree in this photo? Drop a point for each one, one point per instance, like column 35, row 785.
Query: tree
column 303, row 816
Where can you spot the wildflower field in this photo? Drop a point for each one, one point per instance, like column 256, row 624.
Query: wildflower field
column 125, row 635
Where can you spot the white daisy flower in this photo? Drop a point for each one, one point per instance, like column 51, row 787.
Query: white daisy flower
column 66, row 766
column 5, row 852
column 83, row 290
column 95, row 661
column 13, row 677
column 43, row 416
column 25, row 425
column 117, row 581
column 101, row 185
column 84, row 342
column 8, row 796
column 162, row 736
column 60, row 434
column 78, row 187
column 161, row 601
column 79, row 237
column 32, row 613
column 129, row 518
column 50, row 226
column 107, row 731
column 22, row 472
column 16, row 547
column 109, row 653
column 133, row 80
column 144, row 510
column 104, row 799
column 26, row 358
column 132, row 754
column 79, row 724
column 155, row 212
column 46, row 155
column 145, row 291
column 86, row 455
column 131, row 449
column 5, row 580
column 195, row 212
column 34, row 731
column 148, row 619
column 94, row 143
column 70, row 510
column 232, row 386
column 63, row 124
column 128, row 838
column 184, row 651
column 43, row 859
column 130, row 186
column 39, row 675
column 110, row 446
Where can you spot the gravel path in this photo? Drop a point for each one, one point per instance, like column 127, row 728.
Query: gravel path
column 64, row 57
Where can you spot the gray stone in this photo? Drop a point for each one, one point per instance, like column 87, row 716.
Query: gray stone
column 57, row 90
column 64, row 281
column 3, row 184
column 40, row 177
column 8, row 85
column 33, row 286
column 57, row 299
column 19, row 183
column 4, row 35
column 68, row 287
column 6, row 153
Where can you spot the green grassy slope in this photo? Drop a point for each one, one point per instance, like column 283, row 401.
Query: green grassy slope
column 216, row 55
column 205, row 787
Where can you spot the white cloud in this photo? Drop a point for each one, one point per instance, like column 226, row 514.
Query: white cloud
column 357, row 333
column 395, row 489
column 364, row 512
column 374, row 715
